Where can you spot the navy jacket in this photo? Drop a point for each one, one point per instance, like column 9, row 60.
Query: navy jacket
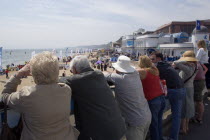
column 167, row 72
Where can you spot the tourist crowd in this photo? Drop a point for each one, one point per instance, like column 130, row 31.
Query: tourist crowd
column 135, row 107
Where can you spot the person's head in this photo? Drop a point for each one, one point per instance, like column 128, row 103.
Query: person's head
column 44, row 68
column 202, row 44
column 123, row 65
column 79, row 63
column 156, row 57
column 146, row 63
column 188, row 56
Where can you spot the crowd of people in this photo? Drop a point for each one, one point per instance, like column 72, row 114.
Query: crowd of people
column 135, row 108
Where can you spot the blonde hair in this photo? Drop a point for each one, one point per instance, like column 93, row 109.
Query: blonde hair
column 44, row 68
column 146, row 63
column 202, row 44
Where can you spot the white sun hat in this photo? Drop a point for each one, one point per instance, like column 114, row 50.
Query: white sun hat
column 123, row 64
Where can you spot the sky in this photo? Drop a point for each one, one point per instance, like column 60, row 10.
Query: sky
column 69, row 23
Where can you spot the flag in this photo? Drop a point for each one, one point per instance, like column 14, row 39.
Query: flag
column 67, row 52
column 198, row 25
column 0, row 57
column 61, row 54
column 32, row 54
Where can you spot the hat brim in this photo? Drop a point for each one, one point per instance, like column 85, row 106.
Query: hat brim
column 190, row 59
column 128, row 69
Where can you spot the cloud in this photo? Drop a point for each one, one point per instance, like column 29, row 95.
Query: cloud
column 61, row 23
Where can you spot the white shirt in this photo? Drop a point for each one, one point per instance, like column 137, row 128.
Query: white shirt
column 202, row 56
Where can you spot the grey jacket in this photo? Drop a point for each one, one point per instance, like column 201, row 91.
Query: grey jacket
column 45, row 110
column 186, row 71
column 130, row 96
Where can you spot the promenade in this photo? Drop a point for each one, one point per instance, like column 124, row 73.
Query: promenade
column 197, row 131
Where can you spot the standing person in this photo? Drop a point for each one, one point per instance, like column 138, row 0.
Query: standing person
column 64, row 74
column 202, row 56
column 175, row 88
column 199, row 85
column 154, row 95
column 97, row 114
column 7, row 73
column 105, row 66
column 188, row 69
column 102, row 66
column 44, row 106
column 130, row 96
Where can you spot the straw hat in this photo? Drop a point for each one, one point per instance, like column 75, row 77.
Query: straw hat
column 188, row 56
column 123, row 65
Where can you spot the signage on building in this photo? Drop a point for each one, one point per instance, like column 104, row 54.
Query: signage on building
column 130, row 43
column 198, row 25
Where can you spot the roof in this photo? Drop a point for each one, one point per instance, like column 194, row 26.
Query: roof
column 182, row 22
column 202, row 30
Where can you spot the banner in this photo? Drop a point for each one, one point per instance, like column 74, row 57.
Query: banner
column 198, row 25
column 54, row 52
column 61, row 54
column 32, row 54
column 130, row 43
column 0, row 57
column 67, row 52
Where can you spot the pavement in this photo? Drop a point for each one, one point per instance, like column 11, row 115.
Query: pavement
column 197, row 131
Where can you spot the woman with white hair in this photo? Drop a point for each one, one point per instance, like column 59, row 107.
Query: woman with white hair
column 44, row 106
column 97, row 114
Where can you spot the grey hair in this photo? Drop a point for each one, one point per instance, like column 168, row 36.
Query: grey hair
column 80, row 63
column 44, row 68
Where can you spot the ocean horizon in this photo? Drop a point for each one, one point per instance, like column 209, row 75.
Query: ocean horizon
column 20, row 56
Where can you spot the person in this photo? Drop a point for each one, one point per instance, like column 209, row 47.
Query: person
column 102, row 66
column 199, row 85
column 175, row 88
column 202, row 53
column 64, row 74
column 105, row 66
column 188, row 69
column 130, row 96
column 44, row 106
column 97, row 114
column 202, row 56
column 7, row 73
column 154, row 95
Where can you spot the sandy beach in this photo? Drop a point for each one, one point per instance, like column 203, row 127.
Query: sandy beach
column 25, row 81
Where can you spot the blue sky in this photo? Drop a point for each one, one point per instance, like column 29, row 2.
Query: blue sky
column 68, row 23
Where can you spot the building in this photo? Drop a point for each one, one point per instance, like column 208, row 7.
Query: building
column 181, row 26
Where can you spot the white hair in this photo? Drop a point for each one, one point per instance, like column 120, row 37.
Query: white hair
column 80, row 63
column 44, row 68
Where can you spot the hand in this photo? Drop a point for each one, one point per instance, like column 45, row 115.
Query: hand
column 25, row 71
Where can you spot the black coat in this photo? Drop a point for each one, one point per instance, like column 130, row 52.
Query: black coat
column 97, row 114
column 171, row 76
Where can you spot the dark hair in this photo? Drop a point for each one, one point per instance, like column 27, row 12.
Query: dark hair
column 160, row 55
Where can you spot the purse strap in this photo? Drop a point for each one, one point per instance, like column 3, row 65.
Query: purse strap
column 191, row 75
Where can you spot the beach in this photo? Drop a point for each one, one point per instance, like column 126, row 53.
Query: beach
column 25, row 81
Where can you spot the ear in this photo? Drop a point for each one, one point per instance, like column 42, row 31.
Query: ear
column 75, row 71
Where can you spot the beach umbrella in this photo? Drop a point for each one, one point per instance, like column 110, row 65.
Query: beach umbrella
column 99, row 62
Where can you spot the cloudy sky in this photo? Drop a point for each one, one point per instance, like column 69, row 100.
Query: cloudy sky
column 68, row 23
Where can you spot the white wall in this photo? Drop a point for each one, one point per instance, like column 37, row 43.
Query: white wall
column 197, row 37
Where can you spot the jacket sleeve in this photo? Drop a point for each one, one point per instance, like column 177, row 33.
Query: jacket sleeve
column 109, row 77
column 181, row 66
column 12, row 97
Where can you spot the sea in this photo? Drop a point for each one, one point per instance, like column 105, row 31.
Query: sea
column 20, row 56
